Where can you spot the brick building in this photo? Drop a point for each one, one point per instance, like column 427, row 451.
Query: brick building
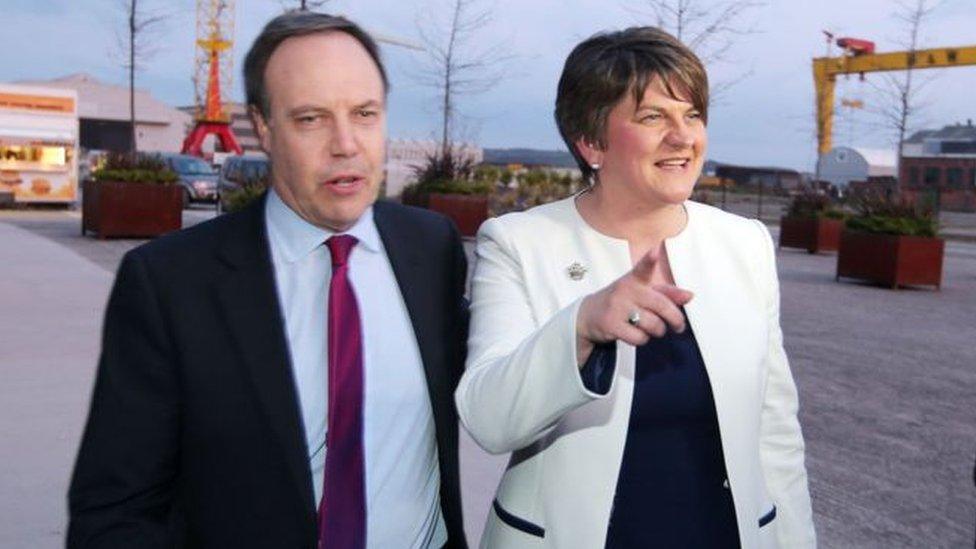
column 940, row 166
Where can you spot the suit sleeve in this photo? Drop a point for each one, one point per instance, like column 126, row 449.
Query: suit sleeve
column 521, row 375
column 781, row 446
column 122, row 487
column 460, row 277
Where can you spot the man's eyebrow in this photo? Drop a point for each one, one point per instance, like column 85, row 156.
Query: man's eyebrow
column 315, row 109
column 306, row 109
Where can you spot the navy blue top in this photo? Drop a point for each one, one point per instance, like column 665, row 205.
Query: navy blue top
column 672, row 489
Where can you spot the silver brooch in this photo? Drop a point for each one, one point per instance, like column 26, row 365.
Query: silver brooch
column 576, row 271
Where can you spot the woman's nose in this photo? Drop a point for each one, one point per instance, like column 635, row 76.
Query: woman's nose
column 680, row 136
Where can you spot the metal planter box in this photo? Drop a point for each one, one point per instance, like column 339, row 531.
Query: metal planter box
column 891, row 260
column 813, row 234
column 468, row 211
column 113, row 209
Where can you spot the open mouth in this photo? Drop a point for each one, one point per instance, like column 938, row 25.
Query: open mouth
column 344, row 181
column 345, row 184
column 673, row 163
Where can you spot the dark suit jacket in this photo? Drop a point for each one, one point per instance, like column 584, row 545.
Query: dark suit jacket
column 195, row 436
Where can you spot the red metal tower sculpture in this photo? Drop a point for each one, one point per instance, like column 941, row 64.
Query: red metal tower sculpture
column 215, row 27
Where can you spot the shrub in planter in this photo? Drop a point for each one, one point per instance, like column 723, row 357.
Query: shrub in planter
column 812, row 222
column 132, row 197
column 891, row 242
column 253, row 187
column 240, row 198
column 450, row 184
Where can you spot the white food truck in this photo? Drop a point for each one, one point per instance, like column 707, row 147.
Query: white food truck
column 38, row 144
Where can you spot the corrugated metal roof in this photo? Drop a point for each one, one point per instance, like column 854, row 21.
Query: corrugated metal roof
column 877, row 158
column 955, row 132
column 919, row 136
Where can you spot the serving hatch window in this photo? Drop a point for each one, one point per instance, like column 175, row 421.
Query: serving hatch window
column 25, row 156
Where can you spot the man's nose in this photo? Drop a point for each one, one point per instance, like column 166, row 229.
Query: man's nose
column 343, row 142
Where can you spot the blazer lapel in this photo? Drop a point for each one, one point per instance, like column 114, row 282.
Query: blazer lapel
column 718, row 316
column 249, row 301
column 685, row 260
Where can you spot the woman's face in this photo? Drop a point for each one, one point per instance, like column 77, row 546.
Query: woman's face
column 655, row 149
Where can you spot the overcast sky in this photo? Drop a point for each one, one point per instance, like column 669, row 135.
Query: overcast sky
column 764, row 119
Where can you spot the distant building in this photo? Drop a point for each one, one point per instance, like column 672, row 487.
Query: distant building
column 104, row 120
column 842, row 165
column 753, row 177
column 941, row 165
column 531, row 158
column 402, row 155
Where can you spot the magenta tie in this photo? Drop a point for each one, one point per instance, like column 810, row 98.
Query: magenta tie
column 342, row 512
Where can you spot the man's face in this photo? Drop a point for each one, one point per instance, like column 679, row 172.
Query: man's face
column 326, row 127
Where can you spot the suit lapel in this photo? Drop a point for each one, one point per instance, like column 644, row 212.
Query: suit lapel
column 249, row 300
column 402, row 247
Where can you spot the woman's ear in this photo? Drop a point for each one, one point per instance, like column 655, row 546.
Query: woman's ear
column 590, row 152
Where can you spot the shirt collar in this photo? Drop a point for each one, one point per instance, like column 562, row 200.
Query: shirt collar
column 296, row 238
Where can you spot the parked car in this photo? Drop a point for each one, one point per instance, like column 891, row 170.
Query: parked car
column 88, row 161
column 239, row 171
column 197, row 176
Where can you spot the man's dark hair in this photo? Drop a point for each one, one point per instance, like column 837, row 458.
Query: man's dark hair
column 289, row 25
column 603, row 68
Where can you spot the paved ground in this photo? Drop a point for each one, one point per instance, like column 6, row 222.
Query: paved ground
column 50, row 310
column 887, row 382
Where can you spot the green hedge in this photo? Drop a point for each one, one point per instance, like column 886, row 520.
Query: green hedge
column 238, row 199
column 453, row 186
column 904, row 226
column 141, row 168
column 136, row 176
column 809, row 203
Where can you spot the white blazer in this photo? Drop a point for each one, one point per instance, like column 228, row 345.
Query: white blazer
column 522, row 391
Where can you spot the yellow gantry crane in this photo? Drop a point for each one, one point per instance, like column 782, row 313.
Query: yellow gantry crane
column 859, row 58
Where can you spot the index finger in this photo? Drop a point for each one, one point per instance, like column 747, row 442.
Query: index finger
column 645, row 266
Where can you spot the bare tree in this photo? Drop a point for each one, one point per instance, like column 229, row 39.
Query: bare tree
column 710, row 28
column 456, row 63
column 141, row 30
column 900, row 104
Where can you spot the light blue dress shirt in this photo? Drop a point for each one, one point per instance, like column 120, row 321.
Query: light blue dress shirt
column 402, row 474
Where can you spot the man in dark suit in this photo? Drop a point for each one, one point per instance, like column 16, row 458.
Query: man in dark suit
column 284, row 376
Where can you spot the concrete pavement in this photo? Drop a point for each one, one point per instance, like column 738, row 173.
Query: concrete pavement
column 887, row 383
column 51, row 301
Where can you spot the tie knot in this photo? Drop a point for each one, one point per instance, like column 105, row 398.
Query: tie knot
column 339, row 246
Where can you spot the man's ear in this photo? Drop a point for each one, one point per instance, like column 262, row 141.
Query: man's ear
column 260, row 128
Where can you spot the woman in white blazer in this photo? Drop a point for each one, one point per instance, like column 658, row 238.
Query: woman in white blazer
column 625, row 343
